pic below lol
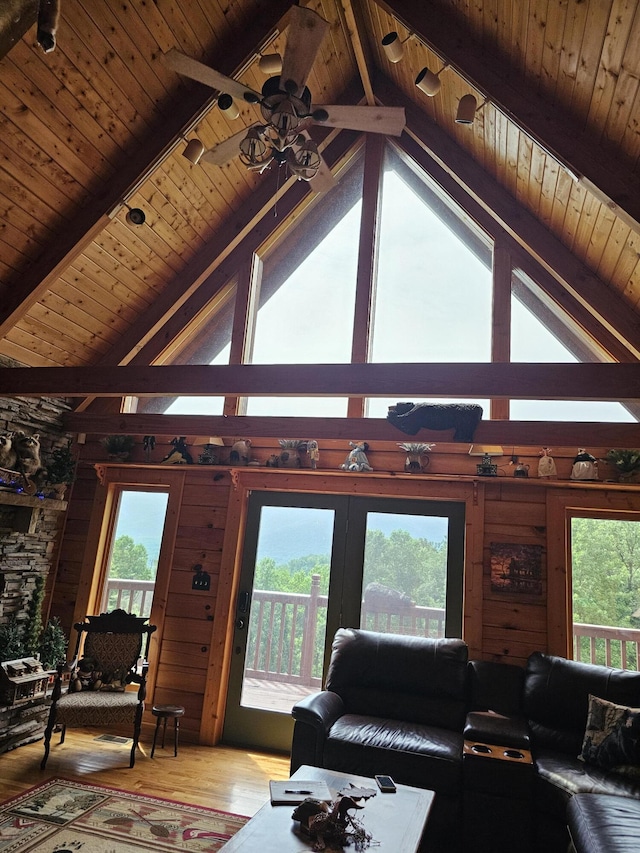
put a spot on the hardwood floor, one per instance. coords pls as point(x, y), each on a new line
point(233, 780)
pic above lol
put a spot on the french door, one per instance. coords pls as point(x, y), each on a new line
point(314, 563)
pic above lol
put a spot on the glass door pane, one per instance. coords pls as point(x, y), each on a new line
point(605, 579)
point(405, 574)
point(286, 634)
point(281, 615)
point(135, 549)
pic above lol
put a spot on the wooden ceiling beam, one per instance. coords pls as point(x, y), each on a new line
point(136, 164)
point(478, 193)
point(595, 381)
point(511, 433)
point(545, 122)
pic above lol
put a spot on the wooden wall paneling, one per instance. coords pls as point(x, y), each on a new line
point(473, 607)
point(221, 639)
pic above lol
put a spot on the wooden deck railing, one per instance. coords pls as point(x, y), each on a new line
point(133, 596)
point(286, 635)
point(619, 647)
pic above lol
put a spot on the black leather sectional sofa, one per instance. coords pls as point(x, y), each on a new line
point(499, 744)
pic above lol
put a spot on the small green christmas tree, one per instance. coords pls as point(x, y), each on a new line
point(61, 466)
point(11, 645)
point(53, 644)
point(33, 627)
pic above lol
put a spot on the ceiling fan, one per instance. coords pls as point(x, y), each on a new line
point(286, 107)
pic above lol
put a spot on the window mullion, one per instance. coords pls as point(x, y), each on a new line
point(501, 320)
point(367, 260)
point(244, 316)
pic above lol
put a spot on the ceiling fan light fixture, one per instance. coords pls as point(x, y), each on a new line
point(467, 106)
point(228, 106)
point(254, 151)
point(304, 162)
point(270, 63)
point(393, 47)
point(194, 151)
point(428, 82)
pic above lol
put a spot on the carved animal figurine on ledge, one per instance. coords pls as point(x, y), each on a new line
point(463, 418)
point(179, 455)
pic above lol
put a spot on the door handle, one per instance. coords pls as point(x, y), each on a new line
point(243, 602)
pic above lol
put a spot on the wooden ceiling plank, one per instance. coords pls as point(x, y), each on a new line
point(615, 44)
point(86, 319)
point(590, 54)
point(576, 21)
point(555, 19)
point(536, 35)
point(24, 355)
point(620, 237)
point(548, 190)
point(91, 221)
point(56, 196)
point(76, 281)
point(55, 329)
point(599, 237)
point(572, 144)
point(27, 100)
point(571, 273)
point(354, 20)
point(516, 381)
point(511, 433)
point(42, 89)
point(91, 23)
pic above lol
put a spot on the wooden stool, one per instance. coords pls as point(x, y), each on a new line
point(163, 713)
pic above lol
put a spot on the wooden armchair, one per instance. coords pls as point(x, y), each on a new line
point(106, 660)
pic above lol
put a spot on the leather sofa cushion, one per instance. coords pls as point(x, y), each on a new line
point(556, 698)
point(414, 679)
point(413, 754)
point(560, 777)
point(496, 686)
point(597, 823)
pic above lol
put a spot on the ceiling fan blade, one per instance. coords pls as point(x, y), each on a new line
point(388, 120)
point(225, 151)
point(189, 67)
point(324, 179)
point(304, 37)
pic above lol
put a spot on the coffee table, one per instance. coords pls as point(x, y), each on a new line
point(395, 821)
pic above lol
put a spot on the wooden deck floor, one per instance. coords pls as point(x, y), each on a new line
point(272, 695)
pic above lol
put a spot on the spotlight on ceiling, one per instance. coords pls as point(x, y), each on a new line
point(270, 63)
point(393, 46)
point(228, 106)
point(467, 109)
point(194, 151)
point(135, 216)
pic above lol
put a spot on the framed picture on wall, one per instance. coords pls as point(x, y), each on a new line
point(516, 568)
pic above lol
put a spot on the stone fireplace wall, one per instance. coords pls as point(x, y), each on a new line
point(30, 534)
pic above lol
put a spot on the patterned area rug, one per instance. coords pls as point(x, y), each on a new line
point(61, 816)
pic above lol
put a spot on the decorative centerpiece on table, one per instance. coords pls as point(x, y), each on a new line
point(331, 826)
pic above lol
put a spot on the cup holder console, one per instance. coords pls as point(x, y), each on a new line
point(481, 748)
point(513, 753)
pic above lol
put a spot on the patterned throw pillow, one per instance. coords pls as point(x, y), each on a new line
point(612, 736)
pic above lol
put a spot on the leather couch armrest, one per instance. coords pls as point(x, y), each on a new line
point(492, 728)
point(319, 710)
point(314, 715)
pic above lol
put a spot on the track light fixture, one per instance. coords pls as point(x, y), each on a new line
point(428, 82)
point(135, 215)
point(194, 151)
point(228, 106)
point(270, 63)
point(467, 109)
point(393, 46)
